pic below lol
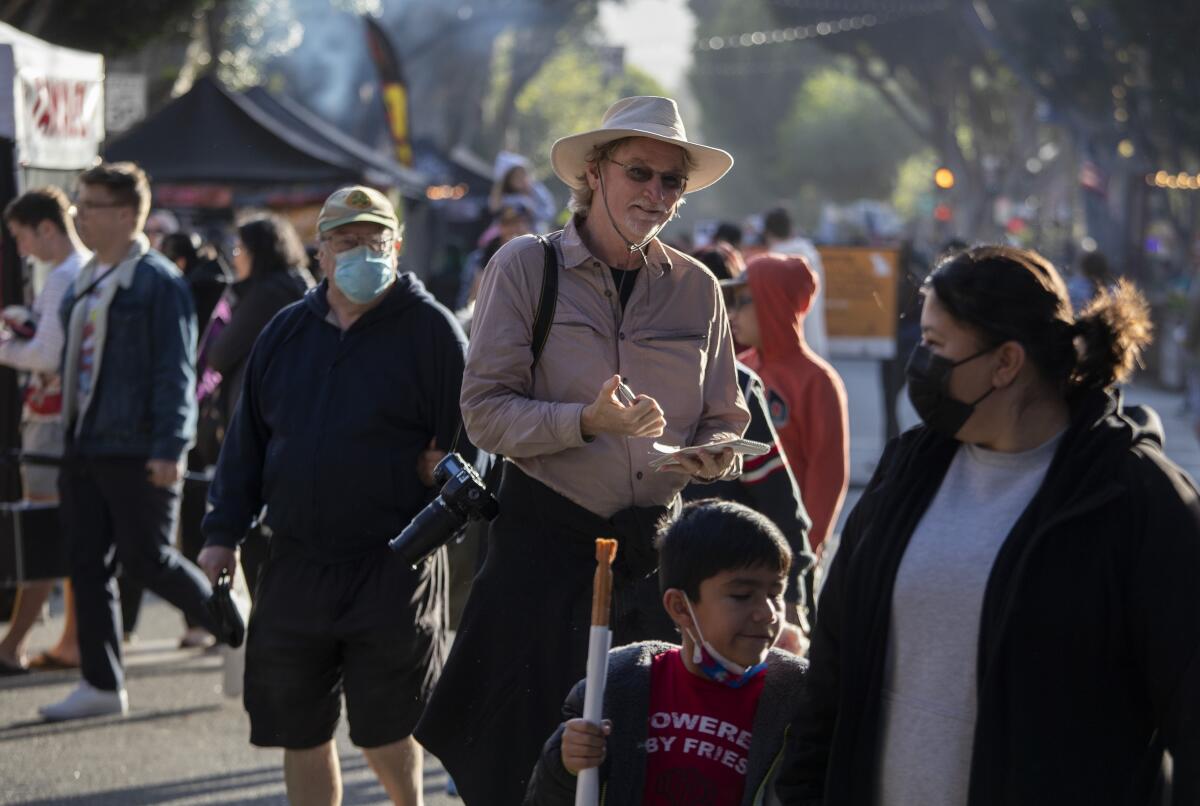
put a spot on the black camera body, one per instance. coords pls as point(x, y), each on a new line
point(463, 497)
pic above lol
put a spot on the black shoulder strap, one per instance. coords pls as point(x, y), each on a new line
point(547, 300)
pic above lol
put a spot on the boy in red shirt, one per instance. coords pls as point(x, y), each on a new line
point(701, 724)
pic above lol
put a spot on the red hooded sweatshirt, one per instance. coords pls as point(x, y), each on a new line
point(806, 397)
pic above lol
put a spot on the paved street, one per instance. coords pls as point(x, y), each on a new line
point(186, 743)
point(183, 743)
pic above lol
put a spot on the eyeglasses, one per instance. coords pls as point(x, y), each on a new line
point(87, 206)
point(671, 181)
point(344, 243)
point(734, 301)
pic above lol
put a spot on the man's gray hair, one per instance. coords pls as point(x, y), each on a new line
point(581, 195)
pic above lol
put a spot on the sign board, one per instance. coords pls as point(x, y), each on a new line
point(57, 112)
point(860, 300)
point(124, 101)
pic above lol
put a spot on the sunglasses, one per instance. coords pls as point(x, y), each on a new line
point(640, 174)
point(734, 300)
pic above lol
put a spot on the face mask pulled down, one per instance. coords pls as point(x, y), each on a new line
point(714, 665)
point(363, 274)
point(928, 376)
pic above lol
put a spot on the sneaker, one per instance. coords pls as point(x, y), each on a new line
point(87, 700)
point(196, 637)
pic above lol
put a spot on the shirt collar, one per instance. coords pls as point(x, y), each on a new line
point(575, 253)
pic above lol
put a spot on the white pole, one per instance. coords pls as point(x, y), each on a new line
point(587, 787)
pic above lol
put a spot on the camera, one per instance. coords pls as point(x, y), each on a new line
point(463, 497)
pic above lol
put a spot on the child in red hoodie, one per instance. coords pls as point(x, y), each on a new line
point(806, 397)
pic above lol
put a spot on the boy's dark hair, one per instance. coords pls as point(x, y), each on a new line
point(729, 233)
point(716, 262)
point(778, 223)
point(35, 206)
point(125, 181)
point(711, 536)
point(184, 245)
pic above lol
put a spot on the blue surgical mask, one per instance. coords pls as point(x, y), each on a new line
point(363, 274)
point(714, 665)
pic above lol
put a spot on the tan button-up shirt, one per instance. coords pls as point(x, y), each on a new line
point(672, 343)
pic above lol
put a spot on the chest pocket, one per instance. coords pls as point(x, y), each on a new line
point(674, 363)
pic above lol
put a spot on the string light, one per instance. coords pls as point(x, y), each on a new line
point(799, 33)
point(445, 192)
point(1179, 181)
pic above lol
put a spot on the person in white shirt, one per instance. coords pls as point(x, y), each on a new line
point(779, 237)
point(40, 223)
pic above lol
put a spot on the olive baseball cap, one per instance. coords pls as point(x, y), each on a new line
point(357, 203)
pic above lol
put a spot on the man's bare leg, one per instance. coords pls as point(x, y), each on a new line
point(399, 767)
point(313, 776)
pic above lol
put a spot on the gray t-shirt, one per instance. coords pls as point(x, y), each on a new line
point(928, 715)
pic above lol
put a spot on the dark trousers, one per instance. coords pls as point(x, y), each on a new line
point(114, 516)
point(523, 640)
point(254, 550)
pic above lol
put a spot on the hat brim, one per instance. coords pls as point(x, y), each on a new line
point(569, 156)
point(373, 218)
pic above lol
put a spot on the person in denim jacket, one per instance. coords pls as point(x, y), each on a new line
point(129, 413)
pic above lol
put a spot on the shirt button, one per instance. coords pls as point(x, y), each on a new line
point(639, 475)
point(607, 293)
point(621, 336)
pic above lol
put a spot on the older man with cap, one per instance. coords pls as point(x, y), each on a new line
point(638, 350)
point(349, 397)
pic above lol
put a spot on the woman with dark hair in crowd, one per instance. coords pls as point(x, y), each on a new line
point(269, 264)
point(1013, 616)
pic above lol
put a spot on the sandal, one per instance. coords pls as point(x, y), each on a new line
point(45, 662)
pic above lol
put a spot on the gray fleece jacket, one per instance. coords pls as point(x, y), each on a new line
point(627, 704)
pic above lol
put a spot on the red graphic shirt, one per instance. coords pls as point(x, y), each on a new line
point(698, 739)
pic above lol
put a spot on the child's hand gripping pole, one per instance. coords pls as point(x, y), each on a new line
point(587, 788)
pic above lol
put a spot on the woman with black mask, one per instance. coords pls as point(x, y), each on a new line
point(1013, 616)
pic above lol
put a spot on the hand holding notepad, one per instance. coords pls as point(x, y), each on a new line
point(669, 454)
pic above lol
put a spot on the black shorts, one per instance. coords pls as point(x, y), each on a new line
point(372, 628)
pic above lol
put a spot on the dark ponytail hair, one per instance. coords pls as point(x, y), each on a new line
point(1112, 330)
point(1010, 294)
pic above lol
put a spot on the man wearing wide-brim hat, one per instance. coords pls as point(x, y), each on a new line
point(628, 309)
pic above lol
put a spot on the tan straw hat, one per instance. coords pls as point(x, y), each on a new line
point(640, 116)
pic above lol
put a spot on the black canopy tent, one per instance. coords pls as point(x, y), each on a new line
point(214, 136)
point(214, 149)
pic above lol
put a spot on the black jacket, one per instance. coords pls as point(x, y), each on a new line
point(253, 302)
point(1089, 642)
point(627, 704)
point(767, 484)
point(330, 423)
point(207, 281)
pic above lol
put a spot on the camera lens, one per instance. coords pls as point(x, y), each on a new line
point(432, 528)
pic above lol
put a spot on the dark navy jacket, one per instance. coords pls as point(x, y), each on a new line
point(330, 424)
